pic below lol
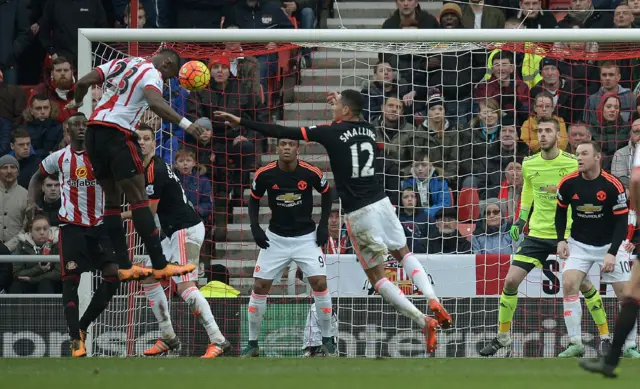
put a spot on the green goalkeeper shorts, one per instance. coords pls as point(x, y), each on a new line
point(534, 252)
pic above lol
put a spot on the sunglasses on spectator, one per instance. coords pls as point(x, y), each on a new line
point(495, 212)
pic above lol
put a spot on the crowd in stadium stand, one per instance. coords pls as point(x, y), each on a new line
point(453, 127)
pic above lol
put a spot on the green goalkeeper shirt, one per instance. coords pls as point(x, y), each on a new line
point(540, 189)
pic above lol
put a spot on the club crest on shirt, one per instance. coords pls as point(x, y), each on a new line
point(71, 265)
point(302, 184)
point(149, 190)
point(267, 19)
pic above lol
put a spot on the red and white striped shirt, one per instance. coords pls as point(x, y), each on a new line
point(123, 102)
point(81, 195)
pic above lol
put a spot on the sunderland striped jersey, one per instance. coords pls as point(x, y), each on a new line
point(81, 196)
point(123, 102)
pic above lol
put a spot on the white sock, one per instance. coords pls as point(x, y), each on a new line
point(256, 310)
point(573, 318)
point(160, 308)
point(201, 308)
point(323, 310)
point(395, 297)
point(418, 275)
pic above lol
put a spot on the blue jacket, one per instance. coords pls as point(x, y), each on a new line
point(45, 135)
point(415, 229)
point(438, 190)
point(198, 191)
point(178, 97)
point(493, 241)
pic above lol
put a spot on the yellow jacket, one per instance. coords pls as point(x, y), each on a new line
point(217, 289)
point(529, 134)
point(530, 65)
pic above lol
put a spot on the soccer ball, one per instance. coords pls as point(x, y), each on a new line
point(194, 76)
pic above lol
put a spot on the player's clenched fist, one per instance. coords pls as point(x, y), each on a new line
point(196, 130)
point(563, 250)
point(259, 236)
point(516, 229)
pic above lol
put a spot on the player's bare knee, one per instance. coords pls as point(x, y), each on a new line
point(513, 279)
point(586, 285)
point(262, 286)
point(318, 283)
point(571, 281)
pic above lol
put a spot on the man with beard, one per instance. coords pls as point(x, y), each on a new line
point(60, 87)
point(541, 172)
point(443, 236)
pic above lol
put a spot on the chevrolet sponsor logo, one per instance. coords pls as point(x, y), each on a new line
point(589, 208)
point(289, 197)
point(551, 189)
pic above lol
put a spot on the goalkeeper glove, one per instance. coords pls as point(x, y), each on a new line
point(259, 236)
point(516, 229)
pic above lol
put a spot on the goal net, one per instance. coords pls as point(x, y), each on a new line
point(455, 118)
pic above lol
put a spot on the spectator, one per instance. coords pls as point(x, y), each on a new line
point(622, 162)
point(427, 182)
point(451, 16)
point(44, 130)
point(305, 12)
point(141, 17)
point(196, 187)
point(623, 17)
point(611, 130)
point(28, 160)
point(543, 109)
point(13, 199)
point(492, 233)
point(504, 86)
point(579, 70)
point(60, 22)
point(478, 167)
point(49, 204)
point(14, 37)
point(338, 242)
point(407, 10)
point(443, 236)
point(583, 13)
point(509, 148)
point(568, 97)
point(475, 15)
point(260, 14)
point(442, 147)
point(12, 103)
point(238, 144)
point(204, 147)
point(384, 84)
point(533, 16)
point(60, 87)
point(37, 239)
point(396, 137)
point(172, 136)
point(414, 220)
point(635, 10)
point(157, 13)
point(511, 191)
point(6, 271)
point(578, 133)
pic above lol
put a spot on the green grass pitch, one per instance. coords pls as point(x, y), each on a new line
point(230, 373)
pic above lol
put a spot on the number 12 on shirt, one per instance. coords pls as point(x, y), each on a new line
point(367, 169)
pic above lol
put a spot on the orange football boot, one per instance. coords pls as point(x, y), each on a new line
point(429, 331)
point(134, 273)
point(162, 346)
point(214, 350)
point(172, 270)
point(444, 319)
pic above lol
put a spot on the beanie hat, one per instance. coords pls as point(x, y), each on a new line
point(451, 8)
point(9, 160)
point(205, 122)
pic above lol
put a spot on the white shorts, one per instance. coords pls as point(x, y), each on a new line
point(183, 247)
point(283, 250)
point(373, 230)
point(583, 256)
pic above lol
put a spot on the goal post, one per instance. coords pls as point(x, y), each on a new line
point(469, 283)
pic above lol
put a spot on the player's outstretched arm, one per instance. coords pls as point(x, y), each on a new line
point(267, 129)
point(159, 106)
point(82, 88)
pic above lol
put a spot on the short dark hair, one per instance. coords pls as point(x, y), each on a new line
point(553, 120)
point(608, 64)
point(175, 57)
point(146, 127)
point(55, 177)
point(594, 144)
point(352, 99)
point(39, 97)
point(579, 123)
point(279, 139)
point(544, 94)
point(502, 55)
point(20, 132)
point(60, 60)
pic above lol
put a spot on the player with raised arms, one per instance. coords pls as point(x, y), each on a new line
point(82, 242)
point(627, 319)
point(131, 86)
point(599, 211)
point(542, 173)
point(292, 236)
point(184, 232)
point(371, 220)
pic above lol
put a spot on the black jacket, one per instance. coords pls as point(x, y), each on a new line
point(598, 19)
point(45, 136)
point(14, 30)
point(424, 19)
point(28, 167)
point(61, 20)
point(266, 14)
point(51, 210)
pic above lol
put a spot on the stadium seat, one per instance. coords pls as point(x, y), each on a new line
point(466, 229)
point(28, 90)
point(468, 205)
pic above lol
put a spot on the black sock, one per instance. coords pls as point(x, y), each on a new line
point(624, 324)
point(100, 300)
point(148, 232)
point(70, 302)
point(113, 226)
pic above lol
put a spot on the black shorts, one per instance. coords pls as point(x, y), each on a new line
point(113, 152)
point(534, 252)
point(84, 248)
